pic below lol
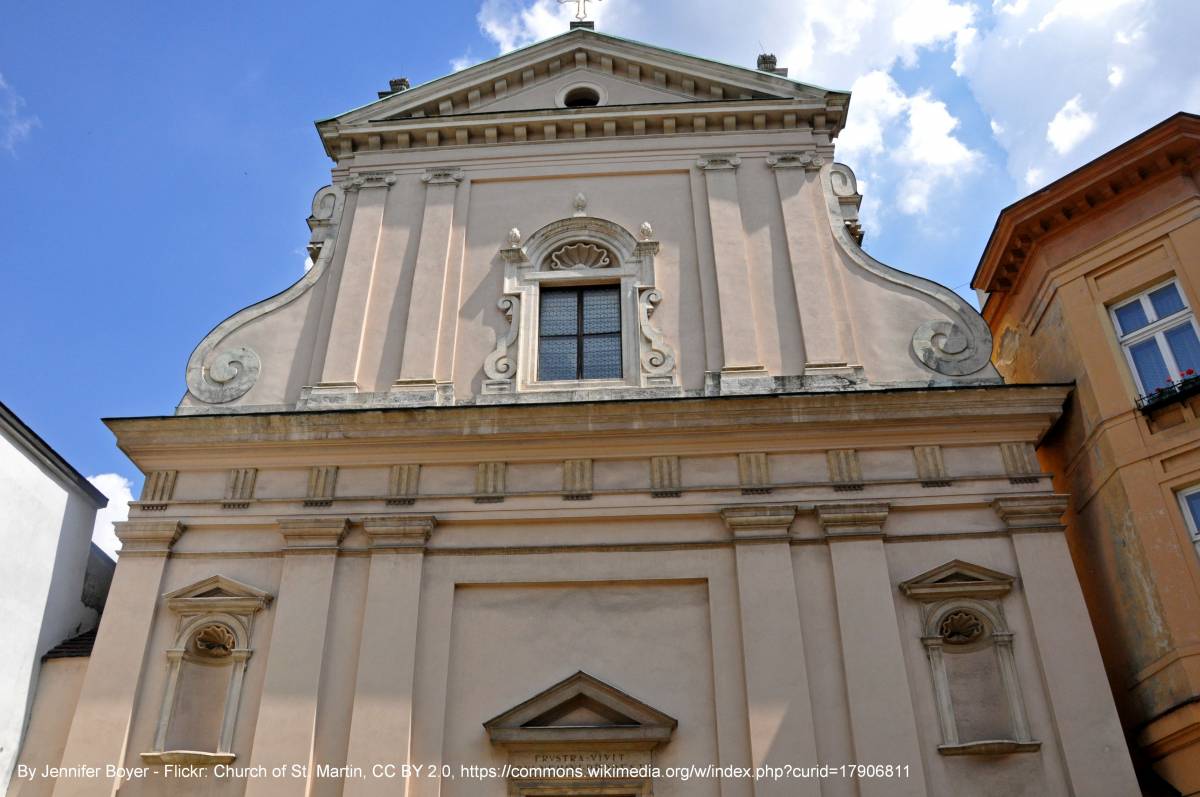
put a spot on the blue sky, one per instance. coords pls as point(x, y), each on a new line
point(157, 161)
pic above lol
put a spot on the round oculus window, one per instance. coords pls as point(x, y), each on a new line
point(581, 97)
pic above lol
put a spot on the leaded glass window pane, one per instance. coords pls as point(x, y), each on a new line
point(602, 356)
point(601, 310)
point(560, 313)
point(579, 333)
point(557, 358)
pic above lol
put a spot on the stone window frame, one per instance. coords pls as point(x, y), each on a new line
point(217, 600)
point(959, 586)
point(1152, 331)
point(647, 361)
point(1191, 519)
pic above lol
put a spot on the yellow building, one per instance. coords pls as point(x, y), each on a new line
point(593, 456)
point(1095, 279)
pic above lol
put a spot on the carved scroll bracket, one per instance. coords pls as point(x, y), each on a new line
point(500, 367)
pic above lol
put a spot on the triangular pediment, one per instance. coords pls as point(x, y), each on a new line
point(217, 593)
point(957, 578)
point(581, 709)
point(635, 73)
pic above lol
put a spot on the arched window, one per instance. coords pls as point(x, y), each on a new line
point(970, 650)
point(579, 295)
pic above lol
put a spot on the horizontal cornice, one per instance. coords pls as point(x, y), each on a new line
point(1170, 148)
point(821, 118)
point(822, 418)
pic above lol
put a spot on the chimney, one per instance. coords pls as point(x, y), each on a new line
point(395, 86)
point(768, 63)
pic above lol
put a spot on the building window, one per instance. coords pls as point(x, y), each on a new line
point(1158, 333)
point(579, 333)
point(1189, 502)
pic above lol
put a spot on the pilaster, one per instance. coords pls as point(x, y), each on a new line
point(739, 340)
point(821, 321)
point(347, 330)
point(418, 363)
point(287, 712)
point(777, 696)
point(882, 720)
point(1093, 744)
point(99, 733)
point(381, 723)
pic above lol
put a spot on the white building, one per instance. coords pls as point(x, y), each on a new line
point(54, 587)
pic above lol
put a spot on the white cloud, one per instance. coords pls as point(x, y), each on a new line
point(902, 142)
point(1070, 125)
point(512, 24)
point(15, 124)
point(1017, 64)
point(118, 490)
point(463, 61)
point(1070, 79)
point(1033, 177)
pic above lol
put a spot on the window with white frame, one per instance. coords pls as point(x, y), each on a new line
point(1189, 502)
point(1157, 330)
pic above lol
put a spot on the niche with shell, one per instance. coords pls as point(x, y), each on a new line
point(970, 651)
point(205, 670)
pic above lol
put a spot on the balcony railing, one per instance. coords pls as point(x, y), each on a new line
point(1172, 393)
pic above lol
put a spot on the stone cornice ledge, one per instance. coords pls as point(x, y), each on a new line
point(312, 533)
point(759, 522)
point(399, 531)
point(846, 521)
point(1032, 512)
point(147, 537)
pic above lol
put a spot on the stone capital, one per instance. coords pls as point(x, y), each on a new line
point(148, 537)
point(398, 531)
point(722, 160)
point(852, 520)
point(445, 175)
point(368, 180)
point(755, 522)
point(312, 533)
point(1031, 512)
point(807, 160)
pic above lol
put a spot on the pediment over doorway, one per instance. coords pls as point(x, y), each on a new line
point(581, 710)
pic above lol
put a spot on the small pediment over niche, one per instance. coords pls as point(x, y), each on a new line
point(217, 594)
point(957, 579)
point(581, 709)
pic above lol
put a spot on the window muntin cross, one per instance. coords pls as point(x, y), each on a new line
point(1158, 332)
point(579, 333)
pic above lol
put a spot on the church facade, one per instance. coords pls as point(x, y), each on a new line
point(593, 456)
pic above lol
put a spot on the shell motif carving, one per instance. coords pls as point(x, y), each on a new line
point(580, 255)
point(960, 628)
point(214, 641)
point(945, 347)
point(227, 376)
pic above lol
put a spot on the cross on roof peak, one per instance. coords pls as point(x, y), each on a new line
point(581, 12)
